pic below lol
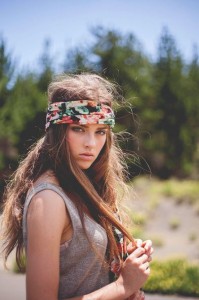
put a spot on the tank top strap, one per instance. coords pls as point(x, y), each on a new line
point(71, 208)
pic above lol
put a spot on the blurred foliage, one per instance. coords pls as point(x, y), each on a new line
point(163, 96)
point(180, 191)
point(174, 276)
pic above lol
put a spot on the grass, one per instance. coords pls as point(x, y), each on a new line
point(174, 223)
point(174, 276)
point(183, 191)
point(138, 222)
point(139, 218)
point(192, 237)
point(138, 233)
point(158, 241)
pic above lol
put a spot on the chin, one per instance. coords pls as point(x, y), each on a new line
point(85, 167)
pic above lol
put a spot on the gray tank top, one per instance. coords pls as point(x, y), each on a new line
point(81, 269)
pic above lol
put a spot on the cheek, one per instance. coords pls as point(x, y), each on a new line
point(102, 143)
point(71, 140)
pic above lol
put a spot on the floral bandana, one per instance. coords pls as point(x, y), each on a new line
point(79, 112)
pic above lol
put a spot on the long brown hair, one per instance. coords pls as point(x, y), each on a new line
point(95, 189)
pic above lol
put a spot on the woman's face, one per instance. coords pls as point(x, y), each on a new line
point(85, 142)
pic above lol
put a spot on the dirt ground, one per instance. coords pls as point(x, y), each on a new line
point(172, 227)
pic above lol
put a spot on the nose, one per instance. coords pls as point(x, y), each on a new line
point(90, 140)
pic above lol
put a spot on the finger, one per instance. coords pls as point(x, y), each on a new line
point(151, 251)
point(137, 253)
point(146, 267)
point(143, 259)
point(149, 258)
point(139, 242)
point(130, 248)
point(147, 245)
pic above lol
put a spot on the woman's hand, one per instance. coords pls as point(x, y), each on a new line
point(147, 245)
point(135, 271)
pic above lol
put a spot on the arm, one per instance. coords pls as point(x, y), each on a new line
point(46, 220)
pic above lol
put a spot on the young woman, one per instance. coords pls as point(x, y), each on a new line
point(62, 203)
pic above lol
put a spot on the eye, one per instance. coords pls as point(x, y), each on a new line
point(101, 131)
point(77, 129)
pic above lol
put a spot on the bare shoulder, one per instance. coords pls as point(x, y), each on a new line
point(47, 200)
point(47, 208)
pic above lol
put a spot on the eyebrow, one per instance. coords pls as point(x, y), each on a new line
point(87, 126)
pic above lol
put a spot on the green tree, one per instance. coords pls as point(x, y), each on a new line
point(167, 138)
point(30, 92)
point(78, 60)
point(190, 131)
point(7, 68)
point(7, 73)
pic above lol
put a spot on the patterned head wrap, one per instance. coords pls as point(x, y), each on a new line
point(79, 112)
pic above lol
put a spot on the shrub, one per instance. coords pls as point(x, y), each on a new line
point(157, 241)
point(174, 276)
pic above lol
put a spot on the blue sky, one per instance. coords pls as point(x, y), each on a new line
point(25, 25)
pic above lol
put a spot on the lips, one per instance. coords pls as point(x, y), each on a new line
point(86, 156)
